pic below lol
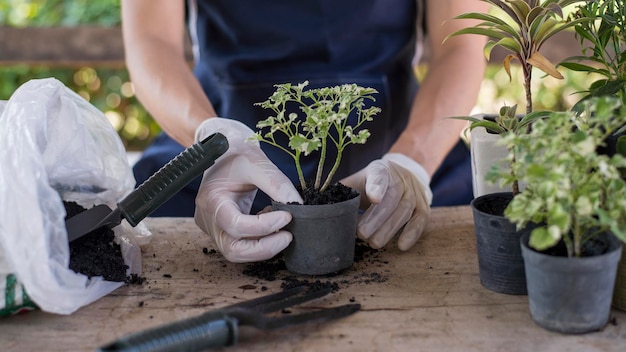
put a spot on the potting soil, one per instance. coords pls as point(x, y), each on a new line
point(334, 193)
point(97, 253)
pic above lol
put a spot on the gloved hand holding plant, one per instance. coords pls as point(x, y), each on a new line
point(228, 189)
point(395, 189)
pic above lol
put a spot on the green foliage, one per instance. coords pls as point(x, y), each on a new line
point(572, 191)
point(326, 110)
point(59, 12)
point(603, 42)
point(506, 122)
point(108, 89)
point(522, 28)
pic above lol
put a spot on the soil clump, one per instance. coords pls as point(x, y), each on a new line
point(97, 253)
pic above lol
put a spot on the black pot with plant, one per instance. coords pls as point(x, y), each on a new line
point(603, 54)
point(521, 27)
point(576, 195)
point(500, 263)
point(315, 120)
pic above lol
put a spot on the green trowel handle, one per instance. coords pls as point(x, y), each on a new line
point(171, 178)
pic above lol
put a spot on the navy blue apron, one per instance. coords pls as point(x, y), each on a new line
point(243, 50)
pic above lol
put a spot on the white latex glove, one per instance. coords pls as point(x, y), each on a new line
point(228, 189)
point(397, 194)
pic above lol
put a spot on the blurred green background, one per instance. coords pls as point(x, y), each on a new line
point(110, 90)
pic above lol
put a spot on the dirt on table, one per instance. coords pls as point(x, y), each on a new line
point(275, 269)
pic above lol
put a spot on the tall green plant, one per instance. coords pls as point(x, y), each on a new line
point(522, 30)
point(603, 42)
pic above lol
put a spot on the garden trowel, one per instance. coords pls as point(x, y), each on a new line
point(155, 191)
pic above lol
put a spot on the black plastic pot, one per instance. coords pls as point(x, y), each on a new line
point(619, 293)
point(500, 262)
point(571, 295)
point(324, 237)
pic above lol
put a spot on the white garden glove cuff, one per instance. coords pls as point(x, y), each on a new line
point(395, 190)
point(228, 189)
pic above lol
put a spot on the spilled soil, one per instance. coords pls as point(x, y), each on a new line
point(97, 253)
point(275, 269)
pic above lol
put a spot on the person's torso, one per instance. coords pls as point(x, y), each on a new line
point(243, 48)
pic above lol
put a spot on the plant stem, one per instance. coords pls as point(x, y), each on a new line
point(528, 73)
point(577, 239)
point(299, 170)
point(515, 185)
point(320, 166)
point(332, 171)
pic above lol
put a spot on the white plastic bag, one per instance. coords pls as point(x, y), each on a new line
point(55, 147)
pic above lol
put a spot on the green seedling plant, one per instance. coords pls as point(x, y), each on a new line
point(323, 120)
point(572, 191)
point(522, 28)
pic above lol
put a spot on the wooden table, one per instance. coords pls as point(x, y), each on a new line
point(426, 299)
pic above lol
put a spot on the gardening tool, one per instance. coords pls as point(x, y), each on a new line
point(219, 328)
point(155, 191)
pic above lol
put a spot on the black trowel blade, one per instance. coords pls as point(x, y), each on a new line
point(91, 220)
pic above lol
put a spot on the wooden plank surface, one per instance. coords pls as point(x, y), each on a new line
point(426, 299)
point(86, 45)
point(102, 46)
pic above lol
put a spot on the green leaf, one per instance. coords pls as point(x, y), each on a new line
point(483, 17)
point(510, 44)
point(361, 137)
point(533, 15)
point(541, 238)
point(551, 31)
point(489, 125)
point(521, 10)
point(532, 117)
point(546, 27)
point(536, 171)
point(609, 88)
point(302, 144)
point(575, 66)
point(488, 48)
point(558, 217)
point(479, 31)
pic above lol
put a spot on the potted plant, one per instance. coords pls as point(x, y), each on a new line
point(314, 121)
point(522, 28)
point(575, 196)
point(500, 263)
point(603, 42)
